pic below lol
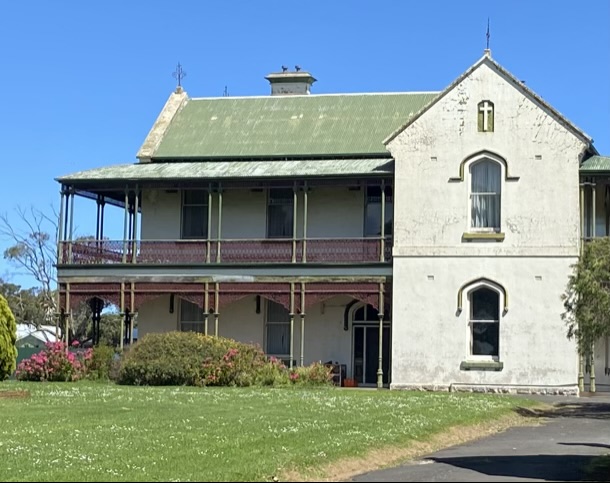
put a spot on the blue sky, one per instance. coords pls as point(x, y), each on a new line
point(84, 81)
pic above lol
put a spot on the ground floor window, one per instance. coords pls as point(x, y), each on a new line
point(485, 322)
point(277, 329)
point(191, 317)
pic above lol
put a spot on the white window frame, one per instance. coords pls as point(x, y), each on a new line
point(468, 168)
point(471, 291)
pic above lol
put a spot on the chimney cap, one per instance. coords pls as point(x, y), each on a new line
point(297, 82)
point(287, 76)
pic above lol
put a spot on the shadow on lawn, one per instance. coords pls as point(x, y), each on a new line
point(584, 410)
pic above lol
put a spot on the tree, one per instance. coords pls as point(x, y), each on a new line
point(8, 338)
point(587, 298)
point(35, 251)
point(25, 304)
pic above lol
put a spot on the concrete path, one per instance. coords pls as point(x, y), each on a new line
point(558, 450)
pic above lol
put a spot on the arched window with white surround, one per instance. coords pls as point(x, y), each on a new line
point(485, 195)
point(485, 321)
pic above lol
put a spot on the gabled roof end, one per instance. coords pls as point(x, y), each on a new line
point(175, 102)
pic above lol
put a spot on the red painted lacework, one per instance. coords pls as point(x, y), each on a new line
point(367, 292)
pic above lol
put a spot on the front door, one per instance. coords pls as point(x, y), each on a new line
point(366, 353)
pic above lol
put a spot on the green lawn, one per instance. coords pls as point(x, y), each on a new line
point(103, 432)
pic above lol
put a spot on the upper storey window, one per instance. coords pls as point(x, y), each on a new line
point(194, 214)
point(280, 213)
point(485, 195)
point(372, 211)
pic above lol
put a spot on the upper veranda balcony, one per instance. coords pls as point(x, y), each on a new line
point(269, 223)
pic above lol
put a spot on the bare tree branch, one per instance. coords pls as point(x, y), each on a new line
point(34, 250)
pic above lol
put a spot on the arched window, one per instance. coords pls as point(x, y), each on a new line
point(485, 322)
point(485, 195)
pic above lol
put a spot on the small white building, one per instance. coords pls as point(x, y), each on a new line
point(31, 336)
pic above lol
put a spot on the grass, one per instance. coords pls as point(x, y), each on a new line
point(104, 432)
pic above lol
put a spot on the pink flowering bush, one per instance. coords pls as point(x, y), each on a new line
point(53, 363)
point(316, 374)
point(273, 373)
point(239, 366)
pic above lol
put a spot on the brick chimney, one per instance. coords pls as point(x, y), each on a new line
point(287, 83)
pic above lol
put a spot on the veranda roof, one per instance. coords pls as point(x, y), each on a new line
point(596, 164)
point(212, 170)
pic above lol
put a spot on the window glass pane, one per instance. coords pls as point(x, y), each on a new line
point(280, 221)
point(485, 183)
point(372, 211)
point(278, 329)
point(485, 304)
point(372, 313)
point(485, 338)
point(372, 224)
point(278, 339)
point(194, 221)
point(359, 314)
point(277, 312)
point(373, 194)
point(389, 217)
point(195, 197)
point(485, 177)
point(190, 312)
point(280, 196)
point(280, 211)
point(485, 211)
point(191, 317)
point(194, 214)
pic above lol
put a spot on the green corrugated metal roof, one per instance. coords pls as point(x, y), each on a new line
point(596, 163)
point(311, 125)
point(233, 169)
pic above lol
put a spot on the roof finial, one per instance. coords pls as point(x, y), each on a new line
point(179, 74)
point(487, 51)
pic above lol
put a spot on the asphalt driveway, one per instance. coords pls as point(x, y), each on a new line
point(557, 450)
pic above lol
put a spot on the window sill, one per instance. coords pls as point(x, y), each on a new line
point(481, 366)
point(483, 236)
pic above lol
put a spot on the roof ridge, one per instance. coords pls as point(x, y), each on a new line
point(308, 96)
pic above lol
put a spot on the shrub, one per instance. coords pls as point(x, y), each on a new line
point(102, 362)
point(53, 363)
point(187, 358)
point(8, 338)
point(273, 373)
point(172, 358)
point(316, 374)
